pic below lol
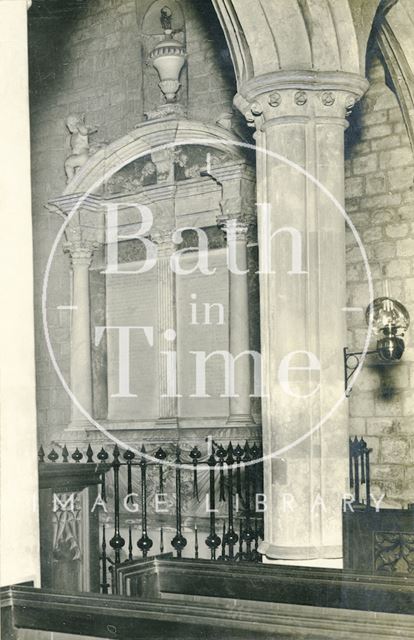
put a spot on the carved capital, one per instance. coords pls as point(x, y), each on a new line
point(84, 215)
point(281, 96)
point(81, 252)
point(163, 239)
point(234, 229)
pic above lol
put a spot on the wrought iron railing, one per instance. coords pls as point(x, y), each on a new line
point(226, 479)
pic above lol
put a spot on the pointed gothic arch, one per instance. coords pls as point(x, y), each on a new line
point(301, 35)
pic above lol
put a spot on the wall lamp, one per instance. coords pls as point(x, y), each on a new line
point(390, 320)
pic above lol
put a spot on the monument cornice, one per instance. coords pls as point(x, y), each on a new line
point(84, 219)
point(231, 171)
point(66, 204)
point(159, 192)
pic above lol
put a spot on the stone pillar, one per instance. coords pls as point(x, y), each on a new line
point(19, 517)
point(301, 117)
point(81, 253)
point(167, 331)
point(236, 234)
point(84, 233)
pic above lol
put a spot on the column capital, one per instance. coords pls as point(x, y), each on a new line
point(80, 251)
point(163, 239)
point(86, 223)
point(282, 97)
point(233, 228)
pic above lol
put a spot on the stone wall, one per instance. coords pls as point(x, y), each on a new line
point(86, 57)
point(380, 202)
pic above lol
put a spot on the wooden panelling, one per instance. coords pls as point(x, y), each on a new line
point(190, 618)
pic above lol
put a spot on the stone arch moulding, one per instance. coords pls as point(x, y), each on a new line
point(289, 35)
point(395, 42)
point(144, 139)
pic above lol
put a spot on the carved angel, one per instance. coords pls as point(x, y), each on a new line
point(79, 144)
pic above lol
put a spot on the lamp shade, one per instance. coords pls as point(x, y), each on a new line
point(390, 320)
point(388, 315)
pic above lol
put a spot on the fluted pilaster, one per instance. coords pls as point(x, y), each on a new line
point(236, 235)
point(81, 253)
point(167, 330)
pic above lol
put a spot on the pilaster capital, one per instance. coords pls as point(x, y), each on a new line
point(80, 251)
point(233, 228)
point(163, 239)
point(84, 216)
point(299, 96)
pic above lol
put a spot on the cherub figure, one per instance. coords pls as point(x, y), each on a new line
point(79, 144)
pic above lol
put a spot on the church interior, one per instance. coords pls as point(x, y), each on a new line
point(207, 379)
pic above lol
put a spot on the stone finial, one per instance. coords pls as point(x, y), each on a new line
point(166, 18)
point(168, 58)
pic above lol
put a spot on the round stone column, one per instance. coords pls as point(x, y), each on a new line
point(236, 236)
point(81, 362)
point(301, 118)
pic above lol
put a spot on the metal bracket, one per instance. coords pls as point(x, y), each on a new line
point(350, 368)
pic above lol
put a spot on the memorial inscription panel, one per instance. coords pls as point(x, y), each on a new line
point(132, 301)
point(202, 301)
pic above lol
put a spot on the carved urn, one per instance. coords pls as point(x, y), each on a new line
point(168, 58)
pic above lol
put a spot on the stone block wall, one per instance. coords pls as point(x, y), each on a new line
point(380, 203)
point(211, 78)
point(86, 57)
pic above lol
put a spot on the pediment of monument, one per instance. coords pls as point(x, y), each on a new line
point(165, 167)
point(158, 153)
